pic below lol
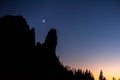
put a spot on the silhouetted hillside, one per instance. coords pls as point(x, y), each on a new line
point(23, 59)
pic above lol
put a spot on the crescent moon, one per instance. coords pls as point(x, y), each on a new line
point(43, 21)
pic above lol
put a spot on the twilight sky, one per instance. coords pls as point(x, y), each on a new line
point(88, 30)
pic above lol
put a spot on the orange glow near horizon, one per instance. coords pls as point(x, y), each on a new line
point(110, 69)
point(108, 72)
point(109, 64)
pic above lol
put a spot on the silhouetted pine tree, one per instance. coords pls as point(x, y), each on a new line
point(101, 77)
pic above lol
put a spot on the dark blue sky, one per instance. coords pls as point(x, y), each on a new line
point(88, 30)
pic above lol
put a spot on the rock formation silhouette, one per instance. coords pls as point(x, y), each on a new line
point(17, 42)
point(22, 58)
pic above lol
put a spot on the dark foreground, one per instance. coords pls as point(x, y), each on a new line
point(21, 58)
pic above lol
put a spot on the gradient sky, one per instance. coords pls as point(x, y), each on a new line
point(88, 30)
